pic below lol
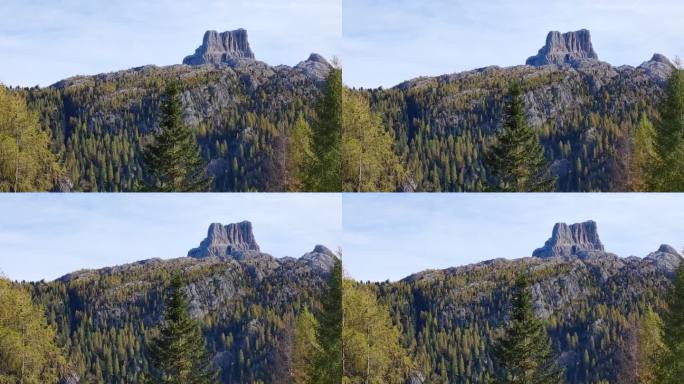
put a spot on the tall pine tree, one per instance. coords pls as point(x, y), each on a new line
point(325, 174)
point(172, 161)
point(28, 351)
point(328, 362)
point(668, 172)
point(516, 161)
point(26, 162)
point(369, 163)
point(523, 355)
point(643, 156)
point(179, 353)
point(372, 349)
point(300, 156)
point(650, 348)
point(671, 368)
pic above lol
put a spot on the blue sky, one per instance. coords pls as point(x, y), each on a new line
point(43, 41)
point(44, 236)
point(388, 41)
point(390, 236)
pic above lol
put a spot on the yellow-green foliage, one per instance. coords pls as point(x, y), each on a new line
point(369, 163)
point(26, 163)
point(372, 352)
point(28, 353)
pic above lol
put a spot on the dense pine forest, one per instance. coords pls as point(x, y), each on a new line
point(590, 302)
point(248, 305)
point(586, 118)
point(100, 124)
point(240, 111)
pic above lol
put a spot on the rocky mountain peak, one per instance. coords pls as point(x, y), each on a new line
point(666, 259)
point(659, 67)
point(566, 48)
point(321, 258)
point(224, 240)
point(569, 240)
point(315, 66)
point(225, 47)
point(664, 248)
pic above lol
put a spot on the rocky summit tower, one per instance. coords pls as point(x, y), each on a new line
point(566, 48)
point(218, 48)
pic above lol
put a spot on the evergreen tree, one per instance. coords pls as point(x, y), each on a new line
point(178, 352)
point(643, 156)
point(671, 368)
point(300, 156)
point(306, 348)
point(328, 362)
point(28, 353)
point(325, 172)
point(650, 348)
point(372, 352)
point(172, 161)
point(516, 161)
point(523, 354)
point(369, 163)
point(26, 162)
point(668, 171)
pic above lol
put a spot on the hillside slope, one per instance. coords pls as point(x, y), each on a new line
point(241, 109)
point(243, 298)
point(584, 110)
point(590, 301)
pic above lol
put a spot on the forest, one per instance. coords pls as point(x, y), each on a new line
point(453, 133)
point(193, 320)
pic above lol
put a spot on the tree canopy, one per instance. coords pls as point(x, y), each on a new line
point(179, 351)
point(172, 161)
point(28, 352)
point(26, 161)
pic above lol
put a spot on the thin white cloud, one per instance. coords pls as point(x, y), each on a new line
point(44, 41)
point(46, 236)
point(390, 236)
point(386, 42)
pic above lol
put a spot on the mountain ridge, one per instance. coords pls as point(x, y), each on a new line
point(232, 242)
point(245, 303)
point(585, 115)
point(241, 112)
point(450, 318)
point(568, 242)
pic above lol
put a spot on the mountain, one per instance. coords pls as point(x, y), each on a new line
point(243, 298)
point(585, 111)
point(241, 109)
point(579, 239)
point(589, 299)
point(567, 48)
point(218, 48)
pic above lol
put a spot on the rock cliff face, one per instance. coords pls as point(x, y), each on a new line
point(240, 294)
point(566, 48)
point(315, 66)
point(242, 110)
point(221, 48)
point(569, 240)
point(585, 115)
point(586, 293)
point(223, 241)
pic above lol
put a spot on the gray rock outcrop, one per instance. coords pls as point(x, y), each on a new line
point(70, 378)
point(580, 239)
point(315, 66)
point(221, 48)
point(659, 67)
point(320, 259)
point(665, 260)
point(226, 240)
point(567, 48)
